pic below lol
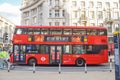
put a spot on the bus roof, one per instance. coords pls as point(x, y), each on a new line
point(72, 27)
point(116, 32)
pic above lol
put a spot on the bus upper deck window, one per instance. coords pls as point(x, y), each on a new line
point(30, 31)
point(77, 31)
point(44, 31)
point(67, 31)
point(19, 31)
point(102, 32)
point(83, 31)
point(88, 32)
point(91, 32)
point(55, 31)
point(37, 31)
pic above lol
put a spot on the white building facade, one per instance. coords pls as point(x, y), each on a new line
point(6, 32)
point(72, 13)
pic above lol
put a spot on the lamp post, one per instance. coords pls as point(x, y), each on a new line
point(117, 50)
point(117, 53)
point(119, 41)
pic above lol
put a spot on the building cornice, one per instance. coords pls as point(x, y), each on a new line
point(31, 5)
point(7, 20)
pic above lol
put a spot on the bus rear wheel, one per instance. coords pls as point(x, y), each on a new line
point(31, 61)
point(80, 62)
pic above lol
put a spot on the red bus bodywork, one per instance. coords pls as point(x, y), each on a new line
point(66, 59)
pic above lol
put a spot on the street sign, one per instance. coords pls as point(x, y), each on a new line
point(117, 54)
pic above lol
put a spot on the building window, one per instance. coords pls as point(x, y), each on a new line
point(34, 11)
point(63, 23)
point(117, 27)
point(91, 4)
point(50, 2)
point(50, 13)
point(74, 24)
point(56, 2)
point(27, 22)
point(115, 4)
point(92, 15)
point(108, 15)
point(92, 24)
point(83, 15)
point(57, 13)
point(82, 4)
point(100, 24)
point(26, 14)
point(63, 13)
point(40, 16)
point(40, 7)
point(99, 4)
point(74, 3)
point(50, 23)
point(57, 23)
point(116, 15)
point(107, 4)
point(64, 0)
point(83, 23)
point(109, 28)
point(34, 19)
point(100, 15)
point(74, 14)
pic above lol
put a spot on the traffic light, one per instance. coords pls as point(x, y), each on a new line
point(6, 36)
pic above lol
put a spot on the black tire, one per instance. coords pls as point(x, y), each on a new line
point(31, 61)
point(80, 62)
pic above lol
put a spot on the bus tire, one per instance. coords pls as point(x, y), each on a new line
point(80, 62)
point(31, 61)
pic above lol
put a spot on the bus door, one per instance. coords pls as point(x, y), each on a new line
point(55, 54)
point(19, 53)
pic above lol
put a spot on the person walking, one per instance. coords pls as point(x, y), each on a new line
point(4, 56)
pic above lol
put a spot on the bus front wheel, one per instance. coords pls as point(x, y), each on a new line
point(80, 62)
point(31, 61)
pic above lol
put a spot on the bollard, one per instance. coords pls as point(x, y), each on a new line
point(59, 68)
point(33, 67)
point(110, 65)
point(85, 68)
point(8, 68)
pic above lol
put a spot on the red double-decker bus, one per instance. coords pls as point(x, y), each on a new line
point(68, 45)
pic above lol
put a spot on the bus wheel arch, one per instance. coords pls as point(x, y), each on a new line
point(31, 61)
point(80, 62)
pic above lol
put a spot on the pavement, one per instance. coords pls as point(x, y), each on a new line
point(29, 75)
point(49, 75)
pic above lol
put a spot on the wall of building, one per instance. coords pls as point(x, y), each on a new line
point(6, 26)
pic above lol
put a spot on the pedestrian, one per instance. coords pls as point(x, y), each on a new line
point(4, 56)
point(109, 53)
point(1, 65)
